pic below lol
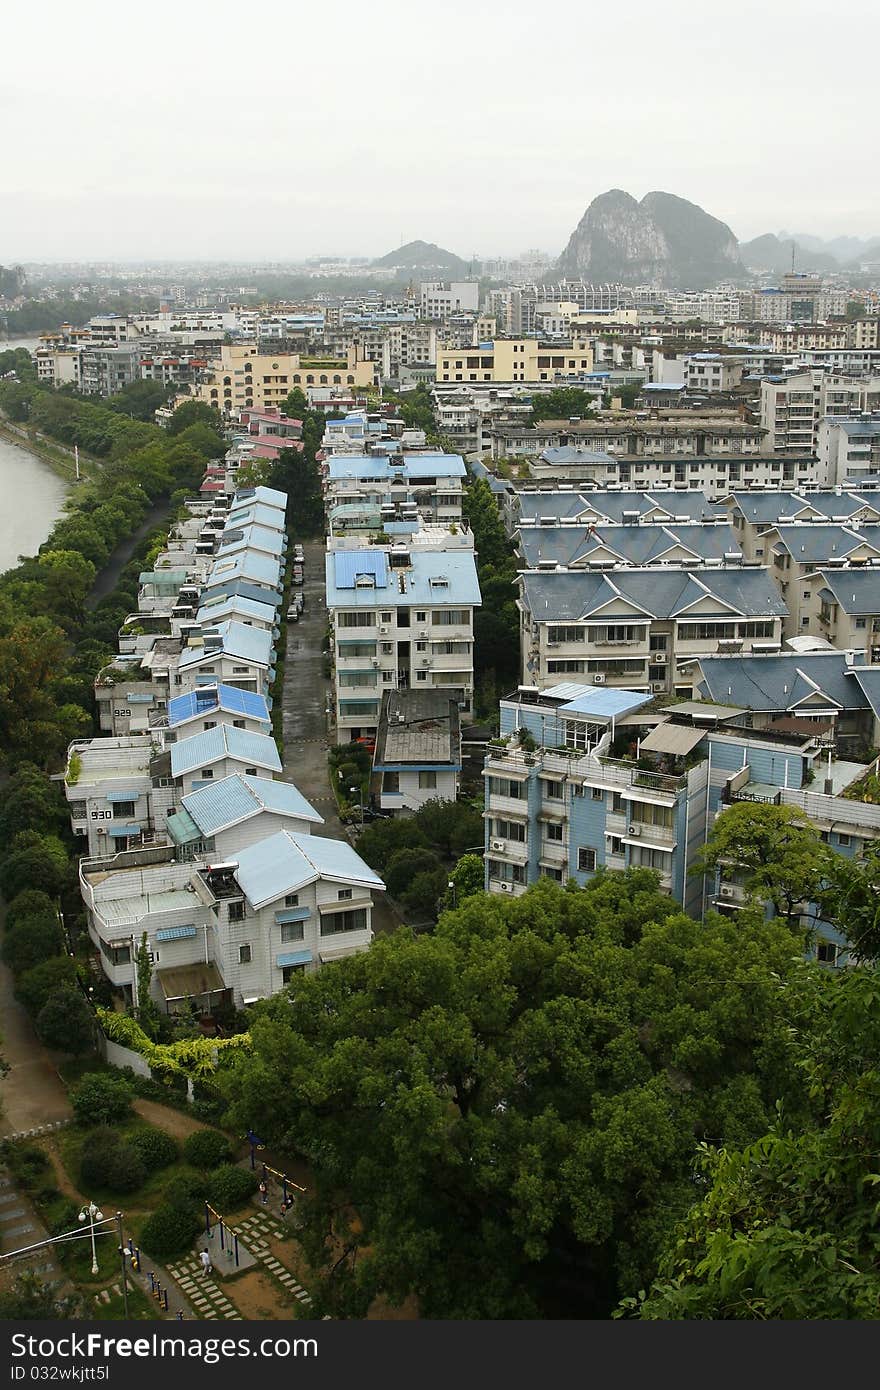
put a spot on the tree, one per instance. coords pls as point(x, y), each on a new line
point(449, 826)
point(403, 866)
point(501, 1116)
point(65, 1021)
point(35, 861)
point(192, 413)
point(562, 403)
point(467, 879)
point(296, 405)
point(147, 1009)
point(31, 802)
point(101, 1099)
point(852, 900)
point(35, 986)
point(778, 850)
point(786, 1227)
point(31, 941)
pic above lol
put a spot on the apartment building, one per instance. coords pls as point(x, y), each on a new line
point(848, 449)
point(797, 554)
point(754, 514)
point(665, 438)
point(512, 360)
point(105, 370)
point(401, 617)
point(711, 373)
point(692, 544)
point(565, 506)
point(633, 627)
point(438, 299)
point(223, 817)
point(114, 802)
point(231, 932)
point(845, 607)
point(583, 779)
point(792, 408)
point(397, 486)
point(417, 757)
point(243, 378)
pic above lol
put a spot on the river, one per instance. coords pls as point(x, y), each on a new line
point(32, 499)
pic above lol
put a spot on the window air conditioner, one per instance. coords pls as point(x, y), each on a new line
point(657, 685)
point(384, 630)
point(634, 830)
point(658, 658)
point(726, 890)
point(505, 887)
point(598, 679)
point(497, 844)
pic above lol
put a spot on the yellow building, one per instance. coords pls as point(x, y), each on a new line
point(243, 377)
point(516, 359)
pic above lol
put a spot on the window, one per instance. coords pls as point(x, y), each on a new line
point(123, 810)
point(451, 617)
point(427, 780)
point(553, 831)
point(386, 617)
point(288, 972)
point(292, 900)
point(335, 922)
point(244, 954)
point(553, 791)
point(343, 894)
point(236, 912)
point(586, 860)
point(77, 810)
point(598, 794)
point(291, 931)
point(421, 617)
point(844, 841)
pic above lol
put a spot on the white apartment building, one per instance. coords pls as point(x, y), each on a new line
point(793, 407)
point(402, 618)
point(396, 487)
point(439, 299)
point(849, 449)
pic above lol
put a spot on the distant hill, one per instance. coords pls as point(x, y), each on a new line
point(423, 260)
point(663, 239)
point(770, 253)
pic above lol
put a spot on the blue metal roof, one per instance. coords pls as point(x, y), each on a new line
point(222, 606)
point(262, 538)
point(348, 565)
point(598, 704)
point(285, 862)
point(256, 514)
point(228, 698)
point(269, 496)
point(117, 832)
point(414, 466)
point(255, 565)
point(223, 742)
point(434, 577)
point(238, 797)
point(244, 588)
point(249, 644)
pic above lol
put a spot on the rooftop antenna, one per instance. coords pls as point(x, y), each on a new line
point(792, 255)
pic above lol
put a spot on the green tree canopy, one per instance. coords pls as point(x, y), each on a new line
point(562, 403)
point(778, 850)
point(787, 1227)
point(511, 1105)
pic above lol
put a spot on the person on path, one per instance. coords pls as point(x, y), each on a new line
point(264, 1194)
point(205, 1257)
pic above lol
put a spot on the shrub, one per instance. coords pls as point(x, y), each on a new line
point(230, 1187)
point(186, 1190)
point(66, 1022)
point(207, 1148)
point(155, 1148)
point(108, 1161)
point(404, 865)
point(35, 985)
point(27, 1162)
point(101, 1099)
point(170, 1231)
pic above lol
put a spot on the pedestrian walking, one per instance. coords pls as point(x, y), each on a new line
point(205, 1257)
point(264, 1194)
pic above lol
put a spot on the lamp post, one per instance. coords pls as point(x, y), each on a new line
point(451, 886)
point(93, 1214)
point(360, 792)
point(123, 1252)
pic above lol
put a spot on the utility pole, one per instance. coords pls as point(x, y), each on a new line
point(122, 1262)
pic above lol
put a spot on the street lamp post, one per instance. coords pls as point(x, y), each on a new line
point(451, 886)
point(93, 1214)
point(122, 1256)
point(360, 792)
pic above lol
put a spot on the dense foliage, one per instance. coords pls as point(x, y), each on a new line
point(101, 1099)
point(502, 1116)
point(787, 1227)
point(413, 854)
point(206, 1148)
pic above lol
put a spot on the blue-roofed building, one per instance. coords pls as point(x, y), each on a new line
point(402, 618)
point(401, 485)
point(230, 653)
point(227, 815)
point(209, 705)
point(578, 782)
point(217, 753)
point(221, 608)
point(253, 566)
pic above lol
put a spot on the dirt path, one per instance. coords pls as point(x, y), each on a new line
point(32, 1093)
point(174, 1122)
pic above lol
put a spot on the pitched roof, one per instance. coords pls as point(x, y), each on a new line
point(783, 681)
point(249, 644)
point(572, 595)
point(229, 699)
point(238, 798)
point(225, 741)
point(285, 862)
point(433, 577)
point(856, 590)
point(637, 545)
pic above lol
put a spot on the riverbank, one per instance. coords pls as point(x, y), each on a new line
point(60, 459)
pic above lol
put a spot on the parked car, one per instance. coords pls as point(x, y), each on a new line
point(293, 614)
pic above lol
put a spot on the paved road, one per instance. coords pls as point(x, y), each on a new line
point(32, 1093)
point(307, 694)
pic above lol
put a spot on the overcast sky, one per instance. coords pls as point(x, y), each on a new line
point(279, 130)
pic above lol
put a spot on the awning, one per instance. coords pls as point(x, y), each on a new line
point(187, 981)
point(293, 958)
point(182, 828)
point(175, 933)
point(293, 914)
point(131, 795)
point(646, 844)
point(122, 832)
point(677, 739)
point(325, 956)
